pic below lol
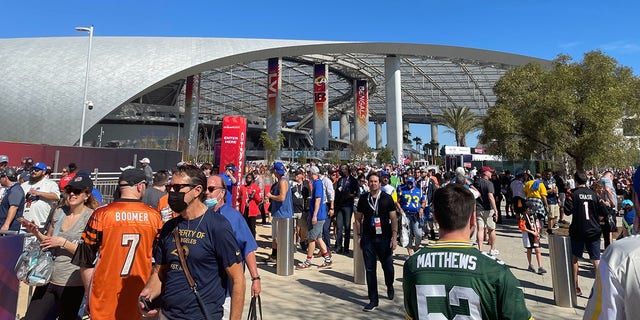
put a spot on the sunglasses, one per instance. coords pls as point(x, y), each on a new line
point(213, 188)
point(178, 186)
point(35, 170)
point(72, 190)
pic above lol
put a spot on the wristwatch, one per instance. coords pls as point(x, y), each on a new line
point(255, 278)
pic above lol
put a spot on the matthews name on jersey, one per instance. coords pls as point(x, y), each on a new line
point(447, 279)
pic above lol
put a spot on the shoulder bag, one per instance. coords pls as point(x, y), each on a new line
point(185, 268)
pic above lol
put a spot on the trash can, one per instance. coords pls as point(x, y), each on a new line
point(284, 235)
point(359, 276)
point(564, 286)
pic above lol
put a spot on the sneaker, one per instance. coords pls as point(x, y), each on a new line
point(531, 269)
point(304, 265)
point(325, 264)
point(578, 292)
point(541, 270)
point(370, 307)
point(555, 226)
point(272, 259)
point(494, 252)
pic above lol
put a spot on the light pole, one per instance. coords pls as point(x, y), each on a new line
point(86, 80)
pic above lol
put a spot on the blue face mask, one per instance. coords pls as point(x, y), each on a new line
point(210, 203)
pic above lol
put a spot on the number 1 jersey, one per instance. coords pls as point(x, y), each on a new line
point(448, 279)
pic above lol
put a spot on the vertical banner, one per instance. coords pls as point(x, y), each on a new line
point(9, 284)
point(192, 113)
point(232, 148)
point(274, 99)
point(321, 106)
point(361, 124)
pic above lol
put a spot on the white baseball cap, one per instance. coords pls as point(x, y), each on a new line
point(145, 160)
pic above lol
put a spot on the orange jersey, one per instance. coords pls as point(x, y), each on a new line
point(122, 234)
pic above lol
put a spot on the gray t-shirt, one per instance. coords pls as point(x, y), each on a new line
point(64, 272)
point(151, 197)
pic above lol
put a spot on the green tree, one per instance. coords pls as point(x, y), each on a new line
point(332, 157)
point(461, 121)
point(271, 146)
point(385, 155)
point(572, 109)
point(360, 151)
point(418, 142)
point(302, 158)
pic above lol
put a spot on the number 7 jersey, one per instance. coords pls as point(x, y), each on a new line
point(118, 240)
point(453, 280)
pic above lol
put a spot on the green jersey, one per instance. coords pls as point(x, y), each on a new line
point(453, 279)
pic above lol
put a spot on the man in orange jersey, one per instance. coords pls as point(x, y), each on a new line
point(116, 249)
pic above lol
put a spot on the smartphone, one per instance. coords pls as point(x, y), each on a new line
point(146, 303)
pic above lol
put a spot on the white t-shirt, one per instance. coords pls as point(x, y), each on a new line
point(37, 208)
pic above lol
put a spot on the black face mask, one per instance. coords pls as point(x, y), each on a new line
point(176, 201)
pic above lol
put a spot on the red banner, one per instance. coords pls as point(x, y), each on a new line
point(320, 89)
point(362, 102)
point(273, 71)
point(233, 147)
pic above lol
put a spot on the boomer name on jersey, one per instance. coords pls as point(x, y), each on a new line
point(132, 216)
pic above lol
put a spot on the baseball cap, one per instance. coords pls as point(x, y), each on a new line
point(314, 170)
point(279, 168)
point(131, 177)
point(145, 160)
point(232, 167)
point(39, 165)
point(485, 169)
point(9, 173)
point(410, 180)
point(4, 158)
point(627, 202)
point(81, 182)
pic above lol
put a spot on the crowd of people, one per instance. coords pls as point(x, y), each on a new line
point(137, 235)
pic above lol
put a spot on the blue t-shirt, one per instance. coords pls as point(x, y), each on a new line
point(229, 184)
point(282, 209)
point(317, 191)
point(629, 216)
point(210, 247)
point(13, 197)
point(246, 241)
point(410, 199)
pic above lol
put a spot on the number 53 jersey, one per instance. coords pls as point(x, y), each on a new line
point(118, 240)
point(454, 279)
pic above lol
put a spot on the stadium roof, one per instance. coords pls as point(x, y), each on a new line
point(138, 79)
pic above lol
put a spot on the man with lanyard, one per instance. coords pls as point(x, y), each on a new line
point(428, 187)
point(376, 223)
point(411, 202)
point(281, 205)
point(347, 189)
point(300, 192)
point(212, 256)
point(330, 196)
point(442, 277)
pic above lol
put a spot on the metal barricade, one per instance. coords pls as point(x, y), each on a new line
point(284, 235)
point(359, 275)
point(564, 285)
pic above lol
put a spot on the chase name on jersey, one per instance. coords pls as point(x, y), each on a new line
point(132, 216)
point(585, 196)
point(452, 260)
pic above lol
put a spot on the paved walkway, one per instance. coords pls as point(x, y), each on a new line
point(332, 294)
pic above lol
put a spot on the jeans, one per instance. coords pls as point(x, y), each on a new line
point(415, 232)
point(374, 249)
point(343, 224)
point(52, 300)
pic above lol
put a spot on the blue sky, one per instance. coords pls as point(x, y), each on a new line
point(540, 29)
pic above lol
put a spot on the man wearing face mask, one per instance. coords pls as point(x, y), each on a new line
point(209, 244)
point(124, 233)
point(246, 242)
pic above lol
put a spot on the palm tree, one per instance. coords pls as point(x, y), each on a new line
point(461, 121)
point(418, 142)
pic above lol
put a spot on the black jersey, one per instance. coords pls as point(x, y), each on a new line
point(587, 210)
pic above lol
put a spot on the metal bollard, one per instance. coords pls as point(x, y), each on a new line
point(359, 275)
point(284, 236)
point(564, 285)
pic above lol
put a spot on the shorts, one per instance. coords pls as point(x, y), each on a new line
point(561, 198)
point(297, 215)
point(593, 248)
point(554, 211)
point(315, 231)
point(302, 219)
point(519, 206)
point(485, 219)
point(530, 241)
